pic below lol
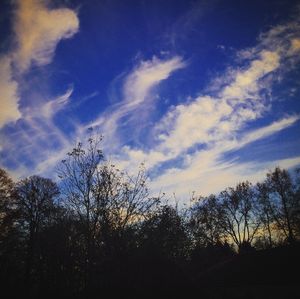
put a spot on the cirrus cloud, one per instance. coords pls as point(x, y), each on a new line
point(9, 97)
point(37, 31)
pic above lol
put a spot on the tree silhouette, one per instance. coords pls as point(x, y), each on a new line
point(283, 202)
point(205, 222)
point(237, 212)
point(100, 228)
point(11, 256)
point(106, 201)
point(165, 233)
point(266, 213)
point(35, 201)
point(6, 204)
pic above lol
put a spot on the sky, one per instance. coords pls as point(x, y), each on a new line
point(205, 93)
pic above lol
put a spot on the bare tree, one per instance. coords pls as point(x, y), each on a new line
point(238, 215)
point(79, 175)
point(36, 204)
point(265, 213)
point(283, 201)
point(205, 222)
point(105, 199)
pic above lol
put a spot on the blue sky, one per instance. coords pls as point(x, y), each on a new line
point(205, 93)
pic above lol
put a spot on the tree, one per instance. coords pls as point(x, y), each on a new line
point(265, 213)
point(36, 206)
point(10, 251)
point(79, 173)
point(283, 202)
point(296, 213)
point(238, 214)
point(165, 234)
point(127, 203)
point(6, 203)
point(205, 222)
point(106, 200)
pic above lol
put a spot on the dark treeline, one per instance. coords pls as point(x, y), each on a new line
point(98, 228)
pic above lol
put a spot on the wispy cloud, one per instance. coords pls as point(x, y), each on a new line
point(207, 171)
point(9, 93)
point(47, 110)
point(51, 144)
point(197, 134)
point(137, 95)
point(204, 178)
point(37, 31)
point(146, 76)
point(268, 130)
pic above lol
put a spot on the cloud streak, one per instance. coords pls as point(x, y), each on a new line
point(196, 135)
point(37, 31)
point(137, 95)
point(9, 93)
point(26, 143)
point(47, 110)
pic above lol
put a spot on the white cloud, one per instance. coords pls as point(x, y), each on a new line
point(207, 120)
point(37, 33)
point(203, 180)
point(47, 110)
point(193, 123)
point(9, 110)
point(246, 82)
point(212, 119)
point(269, 130)
point(146, 76)
point(206, 171)
point(36, 143)
point(38, 30)
point(210, 125)
point(137, 95)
